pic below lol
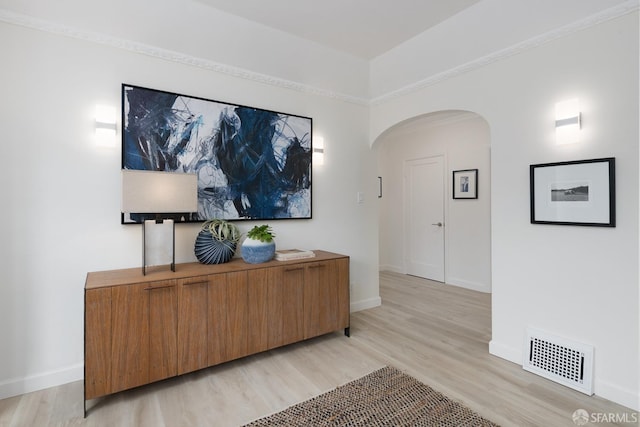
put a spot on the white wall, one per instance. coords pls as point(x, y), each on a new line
point(463, 139)
point(576, 282)
point(61, 193)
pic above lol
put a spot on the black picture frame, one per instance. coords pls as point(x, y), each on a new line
point(579, 192)
point(252, 164)
point(465, 184)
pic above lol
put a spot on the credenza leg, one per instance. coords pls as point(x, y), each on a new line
point(347, 331)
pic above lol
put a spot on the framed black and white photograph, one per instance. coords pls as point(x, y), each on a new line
point(251, 164)
point(465, 184)
point(580, 192)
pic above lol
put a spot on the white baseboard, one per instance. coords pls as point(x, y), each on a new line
point(18, 386)
point(474, 286)
point(391, 268)
point(505, 352)
point(612, 392)
point(365, 304)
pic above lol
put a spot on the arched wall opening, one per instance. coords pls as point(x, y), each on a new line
point(462, 140)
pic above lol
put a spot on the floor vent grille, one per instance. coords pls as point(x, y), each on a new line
point(561, 360)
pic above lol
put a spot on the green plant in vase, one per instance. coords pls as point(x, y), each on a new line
point(263, 233)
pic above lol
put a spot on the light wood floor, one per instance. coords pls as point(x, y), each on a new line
point(437, 333)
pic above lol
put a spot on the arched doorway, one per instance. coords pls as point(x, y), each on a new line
point(461, 140)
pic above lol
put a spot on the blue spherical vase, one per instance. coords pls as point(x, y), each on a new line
point(256, 252)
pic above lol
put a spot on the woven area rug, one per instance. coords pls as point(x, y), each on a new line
point(386, 397)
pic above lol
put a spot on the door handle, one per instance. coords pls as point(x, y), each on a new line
point(439, 224)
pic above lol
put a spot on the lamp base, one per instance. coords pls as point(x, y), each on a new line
point(158, 244)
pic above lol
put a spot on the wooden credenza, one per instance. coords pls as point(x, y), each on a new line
point(145, 328)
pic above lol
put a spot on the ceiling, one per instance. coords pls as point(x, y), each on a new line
point(363, 28)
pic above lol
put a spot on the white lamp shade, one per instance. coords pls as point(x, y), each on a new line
point(159, 192)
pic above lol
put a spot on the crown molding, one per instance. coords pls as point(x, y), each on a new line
point(532, 43)
point(178, 57)
point(173, 56)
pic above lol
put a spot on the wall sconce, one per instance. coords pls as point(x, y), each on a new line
point(318, 150)
point(161, 196)
point(105, 126)
point(568, 121)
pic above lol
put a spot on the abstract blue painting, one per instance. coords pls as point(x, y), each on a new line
point(252, 164)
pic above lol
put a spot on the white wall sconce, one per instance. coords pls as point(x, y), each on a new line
point(568, 121)
point(105, 126)
point(318, 150)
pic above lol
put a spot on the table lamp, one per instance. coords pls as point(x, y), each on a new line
point(161, 196)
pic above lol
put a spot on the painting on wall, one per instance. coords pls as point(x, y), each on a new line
point(251, 164)
point(465, 184)
point(578, 192)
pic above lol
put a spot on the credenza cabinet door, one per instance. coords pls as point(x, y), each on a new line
point(236, 336)
point(217, 318)
point(228, 317)
point(163, 330)
point(193, 331)
point(326, 297)
point(130, 337)
point(144, 334)
point(318, 299)
point(292, 297)
point(258, 282)
point(275, 306)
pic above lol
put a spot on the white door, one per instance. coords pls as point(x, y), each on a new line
point(424, 217)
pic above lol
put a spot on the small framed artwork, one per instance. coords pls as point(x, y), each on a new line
point(465, 184)
point(581, 192)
